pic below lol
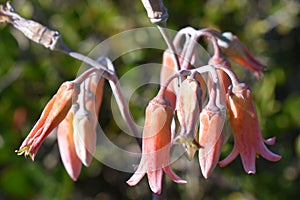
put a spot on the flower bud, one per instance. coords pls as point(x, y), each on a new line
point(211, 138)
point(239, 53)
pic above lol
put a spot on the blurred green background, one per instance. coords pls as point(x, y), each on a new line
point(30, 75)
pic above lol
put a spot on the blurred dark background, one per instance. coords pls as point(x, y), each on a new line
point(30, 75)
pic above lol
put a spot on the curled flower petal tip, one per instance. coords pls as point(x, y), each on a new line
point(270, 141)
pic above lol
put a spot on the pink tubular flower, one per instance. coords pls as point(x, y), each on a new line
point(76, 137)
point(188, 108)
point(211, 134)
point(239, 53)
point(211, 138)
point(54, 112)
point(86, 118)
point(156, 146)
point(248, 141)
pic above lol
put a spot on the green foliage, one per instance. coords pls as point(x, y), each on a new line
point(30, 75)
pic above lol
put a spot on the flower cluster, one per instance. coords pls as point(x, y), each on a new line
point(194, 96)
point(73, 110)
point(199, 103)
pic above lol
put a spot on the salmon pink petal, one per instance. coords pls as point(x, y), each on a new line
point(66, 147)
point(84, 136)
point(54, 112)
point(248, 156)
point(138, 175)
point(234, 153)
point(155, 180)
point(239, 53)
point(267, 154)
point(171, 174)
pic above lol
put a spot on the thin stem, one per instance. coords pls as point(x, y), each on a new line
point(216, 83)
point(190, 47)
point(164, 32)
point(84, 75)
point(106, 73)
point(164, 86)
point(234, 79)
point(186, 32)
point(120, 99)
point(206, 33)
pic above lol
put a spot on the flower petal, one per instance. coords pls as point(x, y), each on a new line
point(211, 138)
point(170, 173)
point(239, 53)
point(155, 180)
point(233, 154)
point(266, 153)
point(84, 136)
point(66, 147)
point(54, 112)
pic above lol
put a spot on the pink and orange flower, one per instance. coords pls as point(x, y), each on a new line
point(248, 141)
point(156, 146)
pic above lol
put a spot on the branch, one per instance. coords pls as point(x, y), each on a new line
point(52, 40)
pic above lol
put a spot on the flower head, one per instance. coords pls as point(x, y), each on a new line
point(86, 118)
point(211, 138)
point(54, 112)
point(188, 108)
point(248, 141)
point(239, 53)
point(156, 146)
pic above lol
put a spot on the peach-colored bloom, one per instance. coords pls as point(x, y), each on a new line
point(239, 53)
point(66, 146)
point(156, 146)
point(188, 108)
point(211, 138)
point(248, 141)
point(86, 118)
point(54, 112)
